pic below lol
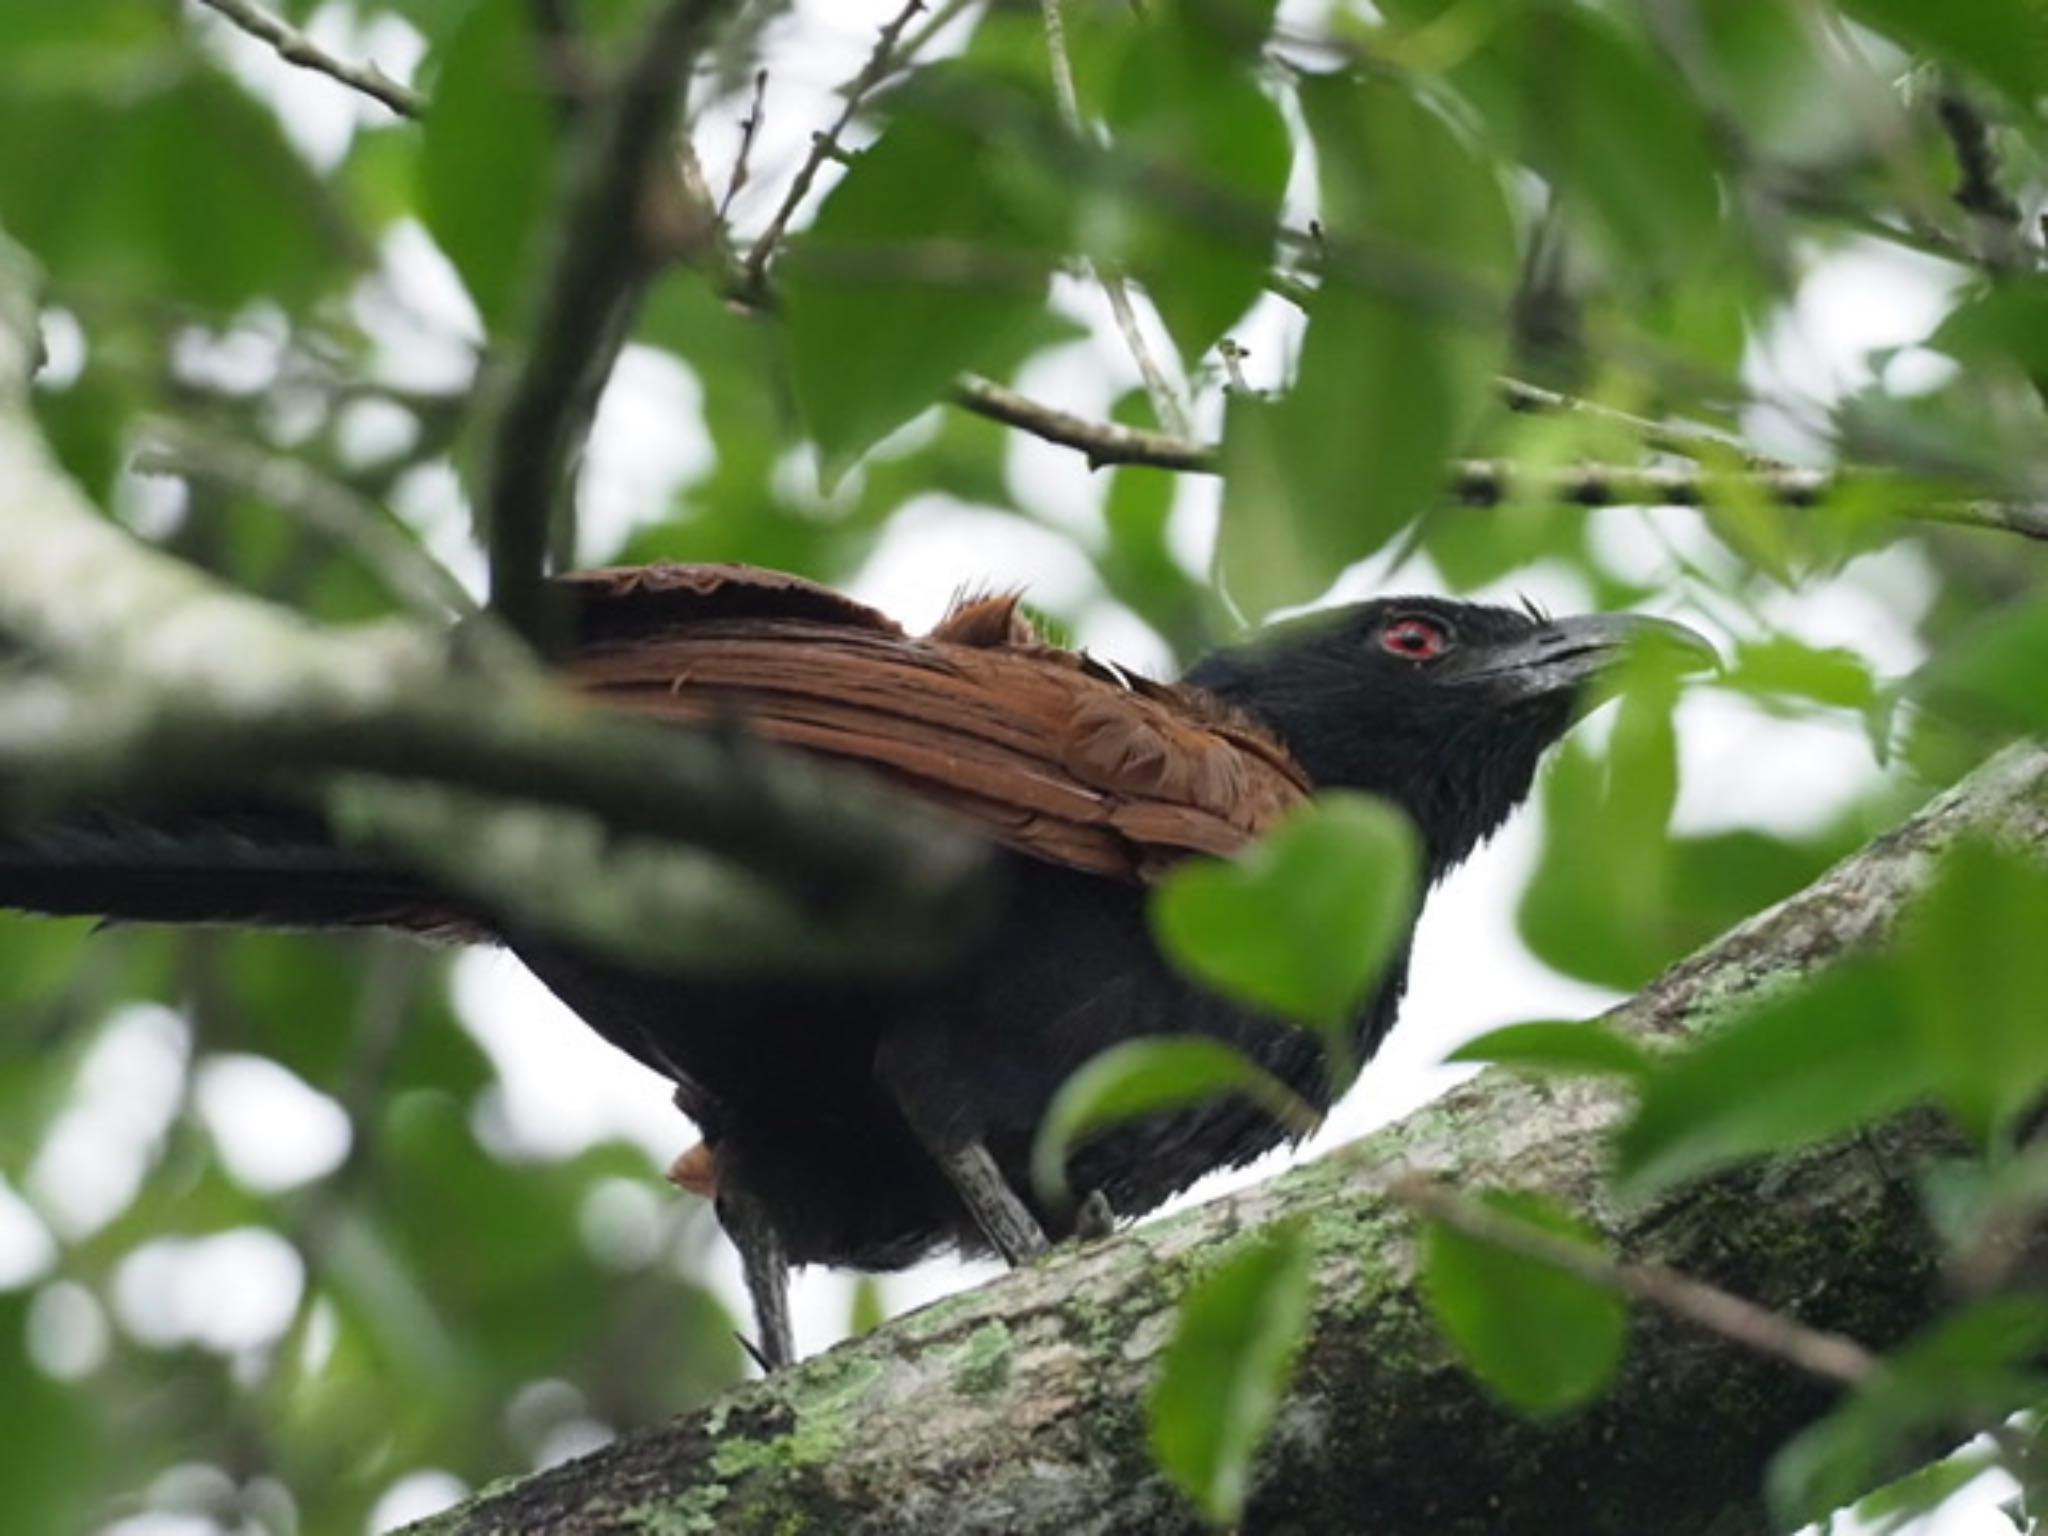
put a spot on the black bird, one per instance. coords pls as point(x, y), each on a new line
point(867, 1124)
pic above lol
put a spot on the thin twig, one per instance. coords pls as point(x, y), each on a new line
point(1233, 357)
point(1491, 482)
point(1830, 1356)
point(1166, 404)
point(1102, 442)
point(1691, 442)
point(753, 271)
point(613, 231)
point(294, 47)
point(941, 16)
point(750, 129)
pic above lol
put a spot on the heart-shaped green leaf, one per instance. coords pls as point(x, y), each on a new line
point(485, 155)
point(931, 254)
point(1544, 1340)
point(1304, 924)
point(1148, 1076)
point(1389, 385)
point(1227, 1368)
point(1580, 1050)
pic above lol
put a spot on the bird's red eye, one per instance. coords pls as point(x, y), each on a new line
point(1416, 639)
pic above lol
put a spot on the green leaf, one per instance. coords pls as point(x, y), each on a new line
point(1992, 677)
point(1966, 1373)
point(2005, 41)
point(1610, 126)
point(1303, 924)
point(55, 1472)
point(1543, 1340)
point(2004, 326)
point(1389, 384)
point(186, 195)
point(1147, 1077)
point(866, 1309)
point(1599, 905)
point(487, 153)
point(1581, 1050)
point(86, 46)
point(1187, 98)
point(1783, 667)
point(1772, 75)
point(1226, 1370)
point(1976, 974)
point(934, 249)
point(1835, 1054)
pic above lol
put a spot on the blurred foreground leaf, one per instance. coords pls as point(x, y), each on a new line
point(1227, 1367)
point(1150, 1076)
point(1543, 1340)
point(1304, 924)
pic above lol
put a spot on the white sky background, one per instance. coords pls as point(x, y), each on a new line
point(563, 1089)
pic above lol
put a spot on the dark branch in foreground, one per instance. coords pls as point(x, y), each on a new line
point(1493, 482)
point(1018, 1408)
point(620, 217)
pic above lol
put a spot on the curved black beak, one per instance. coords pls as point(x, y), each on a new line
point(1564, 655)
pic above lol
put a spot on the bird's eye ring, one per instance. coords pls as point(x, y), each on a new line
point(1415, 639)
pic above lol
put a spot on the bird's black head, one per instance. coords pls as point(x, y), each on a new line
point(1443, 707)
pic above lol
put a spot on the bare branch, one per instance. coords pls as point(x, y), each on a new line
point(294, 47)
point(1663, 436)
point(754, 270)
point(622, 212)
point(1492, 482)
point(750, 129)
point(851, 859)
point(1102, 442)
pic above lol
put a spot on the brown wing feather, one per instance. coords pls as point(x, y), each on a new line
point(1046, 751)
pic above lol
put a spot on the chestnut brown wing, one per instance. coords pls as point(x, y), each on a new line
point(1046, 751)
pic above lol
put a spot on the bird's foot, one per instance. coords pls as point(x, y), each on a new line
point(1095, 1219)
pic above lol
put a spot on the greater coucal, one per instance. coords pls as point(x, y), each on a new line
point(866, 1124)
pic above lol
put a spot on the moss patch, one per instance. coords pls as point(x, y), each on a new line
point(982, 1363)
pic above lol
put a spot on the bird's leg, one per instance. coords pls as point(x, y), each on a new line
point(1004, 1219)
point(965, 1160)
point(765, 1267)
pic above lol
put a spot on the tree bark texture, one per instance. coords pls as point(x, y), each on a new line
point(1019, 1408)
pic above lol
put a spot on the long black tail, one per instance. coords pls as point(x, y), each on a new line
point(266, 867)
